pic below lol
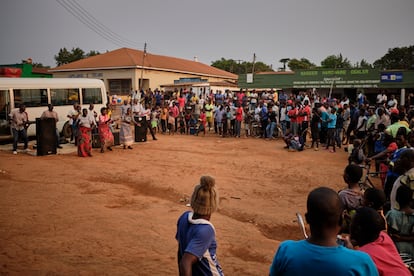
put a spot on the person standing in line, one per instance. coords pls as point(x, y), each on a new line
point(315, 128)
point(196, 235)
point(282, 117)
point(320, 253)
point(175, 113)
point(361, 127)
point(147, 114)
point(305, 113)
point(238, 120)
point(208, 108)
point(218, 118)
point(73, 116)
point(202, 124)
point(124, 107)
point(85, 123)
point(293, 116)
point(339, 126)
point(105, 134)
point(164, 116)
point(50, 113)
point(264, 116)
point(225, 120)
point(126, 137)
point(92, 113)
point(19, 120)
point(272, 122)
point(331, 125)
point(197, 110)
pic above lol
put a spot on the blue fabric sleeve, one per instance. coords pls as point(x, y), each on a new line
point(201, 241)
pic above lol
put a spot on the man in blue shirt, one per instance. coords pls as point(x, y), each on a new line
point(320, 254)
point(331, 124)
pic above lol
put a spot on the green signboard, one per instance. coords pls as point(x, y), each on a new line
point(331, 78)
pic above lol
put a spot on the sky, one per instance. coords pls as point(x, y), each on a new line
point(209, 30)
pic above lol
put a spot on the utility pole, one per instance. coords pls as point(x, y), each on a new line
point(254, 60)
point(142, 68)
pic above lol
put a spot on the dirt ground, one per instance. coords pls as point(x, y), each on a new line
point(116, 213)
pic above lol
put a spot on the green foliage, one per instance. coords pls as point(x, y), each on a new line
point(397, 58)
point(240, 67)
point(303, 63)
point(92, 53)
point(338, 61)
point(363, 64)
point(39, 65)
point(64, 56)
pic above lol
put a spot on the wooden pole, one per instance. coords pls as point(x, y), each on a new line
point(142, 68)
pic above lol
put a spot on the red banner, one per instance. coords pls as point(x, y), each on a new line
point(10, 72)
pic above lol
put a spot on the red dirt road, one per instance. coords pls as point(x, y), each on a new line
point(116, 213)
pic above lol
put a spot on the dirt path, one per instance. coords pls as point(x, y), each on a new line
point(116, 213)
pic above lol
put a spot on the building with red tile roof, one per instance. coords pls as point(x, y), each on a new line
point(125, 69)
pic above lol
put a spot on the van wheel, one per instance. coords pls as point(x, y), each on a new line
point(67, 130)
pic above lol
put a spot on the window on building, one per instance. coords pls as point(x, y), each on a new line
point(120, 86)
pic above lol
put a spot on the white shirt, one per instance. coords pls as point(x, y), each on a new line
point(92, 117)
point(72, 113)
point(137, 109)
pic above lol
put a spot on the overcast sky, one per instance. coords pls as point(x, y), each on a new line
point(210, 30)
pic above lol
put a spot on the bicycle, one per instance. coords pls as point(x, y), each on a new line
point(278, 133)
point(365, 182)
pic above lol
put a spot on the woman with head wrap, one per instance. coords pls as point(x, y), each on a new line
point(196, 235)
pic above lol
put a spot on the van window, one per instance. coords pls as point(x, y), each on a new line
point(4, 112)
point(64, 96)
point(91, 95)
point(30, 97)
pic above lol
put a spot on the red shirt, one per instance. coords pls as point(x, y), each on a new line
point(385, 256)
point(239, 114)
point(175, 111)
point(203, 118)
point(306, 111)
point(181, 102)
point(293, 113)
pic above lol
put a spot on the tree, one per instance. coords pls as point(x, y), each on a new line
point(333, 61)
point(92, 53)
point(303, 63)
point(397, 58)
point(64, 56)
point(261, 67)
point(39, 65)
point(240, 67)
point(363, 64)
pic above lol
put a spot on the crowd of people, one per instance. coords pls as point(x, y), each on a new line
point(354, 231)
point(376, 224)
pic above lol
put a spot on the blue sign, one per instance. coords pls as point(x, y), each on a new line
point(392, 77)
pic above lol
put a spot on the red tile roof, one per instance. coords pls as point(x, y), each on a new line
point(131, 58)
